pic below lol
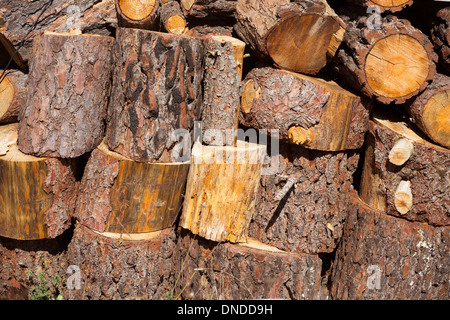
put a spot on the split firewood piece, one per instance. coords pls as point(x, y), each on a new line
point(37, 195)
point(13, 95)
point(440, 35)
point(307, 111)
point(121, 267)
point(302, 207)
point(418, 189)
point(430, 111)
point(391, 63)
point(386, 258)
point(157, 93)
point(385, 5)
point(224, 58)
point(68, 90)
point(252, 270)
point(208, 8)
point(142, 14)
point(222, 213)
point(172, 18)
point(298, 36)
point(123, 196)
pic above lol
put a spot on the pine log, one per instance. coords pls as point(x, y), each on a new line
point(302, 207)
point(382, 257)
point(391, 64)
point(205, 31)
point(385, 5)
point(116, 268)
point(13, 95)
point(221, 190)
point(157, 90)
point(123, 196)
point(142, 14)
point(426, 199)
point(223, 271)
point(430, 111)
point(208, 8)
point(222, 88)
point(37, 195)
point(90, 16)
point(440, 35)
point(298, 36)
point(69, 86)
point(172, 18)
point(307, 111)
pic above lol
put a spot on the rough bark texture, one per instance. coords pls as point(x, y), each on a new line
point(309, 217)
point(123, 196)
point(224, 271)
point(132, 14)
point(383, 5)
point(69, 85)
point(297, 36)
point(430, 111)
point(222, 88)
point(426, 169)
point(400, 50)
point(333, 119)
point(13, 95)
point(410, 259)
point(116, 269)
point(157, 89)
point(91, 16)
point(208, 8)
point(440, 35)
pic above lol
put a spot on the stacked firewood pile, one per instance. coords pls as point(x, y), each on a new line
point(216, 149)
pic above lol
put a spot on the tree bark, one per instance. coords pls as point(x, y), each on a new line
point(172, 18)
point(308, 111)
point(122, 196)
point(157, 91)
point(382, 257)
point(424, 169)
point(389, 60)
point(208, 8)
point(440, 35)
point(224, 271)
point(385, 5)
point(297, 36)
point(222, 213)
point(308, 215)
point(37, 195)
point(430, 111)
point(137, 13)
point(13, 95)
point(69, 86)
point(222, 88)
point(114, 268)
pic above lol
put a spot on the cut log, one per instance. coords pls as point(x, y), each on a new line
point(391, 63)
point(431, 110)
point(157, 92)
point(222, 88)
point(222, 213)
point(223, 271)
point(426, 200)
point(37, 195)
point(13, 95)
point(69, 85)
point(440, 34)
point(172, 18)
point(307, 111)
point(298, 36)
point(123, 196)
point(386, 258)
point(142, 14)
point(91, 16)
point(302, 207)
point(401, 152)
point(385, 5)
point(208, 8)
point(114, 268)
